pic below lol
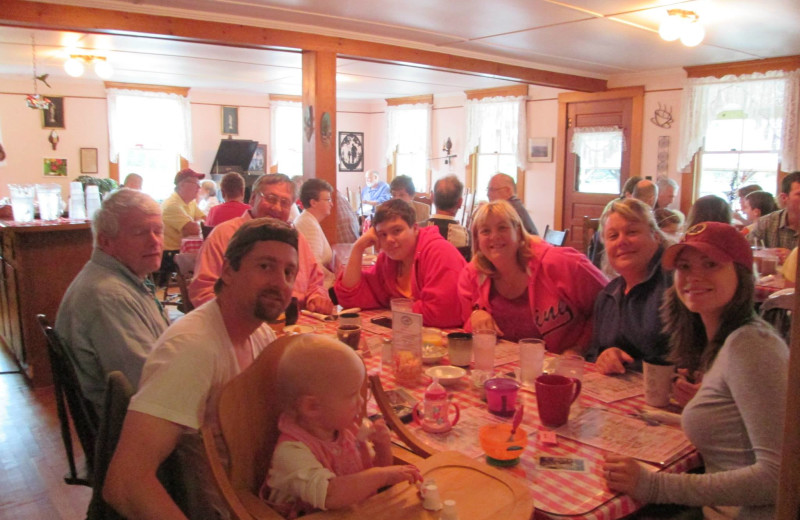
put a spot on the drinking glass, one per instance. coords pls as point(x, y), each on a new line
point(570, 365)
point(531, 360)
point(483, 342)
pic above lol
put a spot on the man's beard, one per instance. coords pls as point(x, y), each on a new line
point(266, 312)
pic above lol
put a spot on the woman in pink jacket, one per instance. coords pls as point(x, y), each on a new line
point(523, 287)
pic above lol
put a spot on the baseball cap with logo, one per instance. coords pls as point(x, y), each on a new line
point(187, 173)
point(719, 241)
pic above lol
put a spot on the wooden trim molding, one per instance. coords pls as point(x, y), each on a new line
point(181, 91)
point(514, 90)
point(785, 63)
point(410, 100)
point(21, 13)
point(285, 97)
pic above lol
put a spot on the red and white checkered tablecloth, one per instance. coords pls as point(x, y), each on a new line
point(191, 244)
point(557, 494)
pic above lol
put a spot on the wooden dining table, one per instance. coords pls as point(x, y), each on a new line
point(556, 492)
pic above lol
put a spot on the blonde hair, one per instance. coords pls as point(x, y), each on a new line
point(633, 210)
point(311, 364)
point(506, 212)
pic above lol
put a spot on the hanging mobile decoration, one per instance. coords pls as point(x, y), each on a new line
point(35, 100)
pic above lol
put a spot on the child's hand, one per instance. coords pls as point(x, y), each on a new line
point(395, 474)
point(380, 435)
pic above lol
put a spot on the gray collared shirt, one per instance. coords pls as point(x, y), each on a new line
point(774, 230)
point(109, 320)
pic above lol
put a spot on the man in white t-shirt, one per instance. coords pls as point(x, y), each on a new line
point(316, 196)
point(192, 361)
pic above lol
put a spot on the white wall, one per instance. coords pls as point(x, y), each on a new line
point(26, 143)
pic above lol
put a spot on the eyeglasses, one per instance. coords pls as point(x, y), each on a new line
point(492, 190)
point(326, 200)
point(274, 200)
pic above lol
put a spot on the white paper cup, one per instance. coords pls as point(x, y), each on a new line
point(657, 383)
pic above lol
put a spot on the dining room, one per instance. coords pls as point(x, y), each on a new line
point(239, 67)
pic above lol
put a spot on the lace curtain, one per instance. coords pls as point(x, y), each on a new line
point(148, 119)
point(765, 98)
point(598, 144)
point(498, 125)
point(408, 129)
point(286, 131)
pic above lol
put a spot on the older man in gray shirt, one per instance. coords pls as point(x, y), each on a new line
point(109, 318)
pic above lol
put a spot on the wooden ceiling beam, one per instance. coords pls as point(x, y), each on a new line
point(23, 13)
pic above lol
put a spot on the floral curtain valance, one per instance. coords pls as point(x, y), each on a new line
point(598, 144)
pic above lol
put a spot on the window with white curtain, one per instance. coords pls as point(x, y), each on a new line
point(287, 136)
point(148, 134)
point(600, 155)
point(496, 127)
point(408, 142)
point(744, 127)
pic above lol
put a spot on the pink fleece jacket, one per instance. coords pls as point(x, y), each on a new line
point(434, 277)
point(208, 265)
point(562, 288)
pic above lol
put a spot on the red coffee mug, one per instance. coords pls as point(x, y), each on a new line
point(554, 395)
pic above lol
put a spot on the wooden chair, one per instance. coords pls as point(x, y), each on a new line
point(590, 227)
point(394, 423)
point(469, 211)
point(184, 271)
point(248, 417)
point(115, 405)
point(556, 238)
point(70, 402)
point(777, 309)
point(206, 230)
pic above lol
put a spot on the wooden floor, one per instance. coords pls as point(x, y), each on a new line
point(32, 458)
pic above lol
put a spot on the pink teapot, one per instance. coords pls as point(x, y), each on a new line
point(436, 410)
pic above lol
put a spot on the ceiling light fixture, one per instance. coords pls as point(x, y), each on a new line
point(76, 65)
point(684, 25)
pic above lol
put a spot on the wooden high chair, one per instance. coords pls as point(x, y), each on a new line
point(248, 415)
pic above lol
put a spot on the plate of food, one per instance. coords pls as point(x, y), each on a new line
point(446, 374)
point(299, 329)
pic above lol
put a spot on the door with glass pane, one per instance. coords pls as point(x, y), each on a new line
point(597, 161)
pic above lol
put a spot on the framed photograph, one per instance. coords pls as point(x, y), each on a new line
point(55, 167)
point(540, 149)
point(351, 151)
point(53, 117)
point(88, 160)
point(259, 162)
point(230, 120)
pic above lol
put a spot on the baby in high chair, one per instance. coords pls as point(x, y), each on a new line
point(321, 461)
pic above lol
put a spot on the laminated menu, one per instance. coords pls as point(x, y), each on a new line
point(627, 436)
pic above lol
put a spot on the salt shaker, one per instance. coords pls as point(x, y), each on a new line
point(430, 497)
point(449, 512)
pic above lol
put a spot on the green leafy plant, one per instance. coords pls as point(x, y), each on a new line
point(104, 184)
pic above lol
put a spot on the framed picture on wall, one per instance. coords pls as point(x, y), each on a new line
point(351, 151)
point(55, 168)
point(540, 149)
point(88, 160)
point(230, 120)
point(53, 117)
point(259, 162)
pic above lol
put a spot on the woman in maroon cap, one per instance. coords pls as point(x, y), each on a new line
point(736, 418)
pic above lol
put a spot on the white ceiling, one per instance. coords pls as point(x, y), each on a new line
point(597, 38)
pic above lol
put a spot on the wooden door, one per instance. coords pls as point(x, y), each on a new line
point(590, 183)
